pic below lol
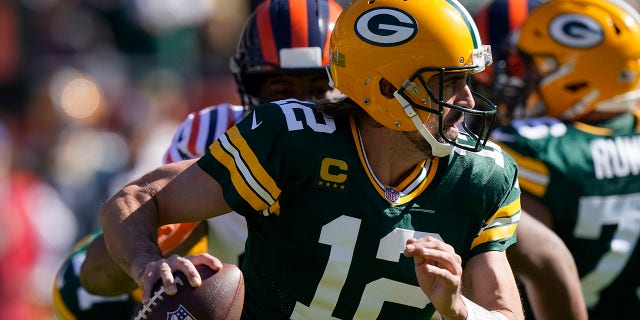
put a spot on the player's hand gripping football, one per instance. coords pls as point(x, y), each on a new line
point(439, 272)
point(164, 269)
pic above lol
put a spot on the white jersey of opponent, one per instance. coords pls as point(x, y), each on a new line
point(227, 233)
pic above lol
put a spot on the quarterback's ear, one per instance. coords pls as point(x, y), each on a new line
point(387, 89)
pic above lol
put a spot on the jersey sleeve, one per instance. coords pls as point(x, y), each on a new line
point(199, 129)
point(524, 140)
point(499, 231)
point(502, 190)
point(71, 301)
point(253, 159)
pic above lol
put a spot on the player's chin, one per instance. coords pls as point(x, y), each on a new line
point(451, 133)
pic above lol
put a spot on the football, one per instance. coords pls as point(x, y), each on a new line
point(220, 296)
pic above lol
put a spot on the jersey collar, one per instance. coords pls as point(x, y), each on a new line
point(411, 187)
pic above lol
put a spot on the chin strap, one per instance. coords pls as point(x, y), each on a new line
point(620, 103)
point(438, 149)
point(579, 107)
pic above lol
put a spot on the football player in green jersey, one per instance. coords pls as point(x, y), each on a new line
point(281, 54)
point(550, 281)
point(579, 161)
point(379, 204)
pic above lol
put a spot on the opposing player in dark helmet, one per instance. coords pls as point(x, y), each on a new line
point(282, 53)
point(373, 205)
point(578, 163)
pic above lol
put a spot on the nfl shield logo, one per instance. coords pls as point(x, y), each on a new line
point(180, 314)
point(391, 194)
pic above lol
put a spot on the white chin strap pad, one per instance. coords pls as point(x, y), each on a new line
point(438, 149)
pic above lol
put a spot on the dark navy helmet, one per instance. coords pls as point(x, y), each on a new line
point(283, 37)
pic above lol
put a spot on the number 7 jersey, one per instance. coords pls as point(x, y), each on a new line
point(326, 237)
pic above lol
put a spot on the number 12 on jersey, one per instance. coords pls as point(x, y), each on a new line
point(340, 235)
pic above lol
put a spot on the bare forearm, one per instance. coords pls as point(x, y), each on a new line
point(176, 192)
point(553, 286)
point(101, 275)
point(546, 267)
point(548, 305)
point(130, 229)
point(493, 288)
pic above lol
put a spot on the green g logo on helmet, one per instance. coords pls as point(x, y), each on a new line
point(386, 26)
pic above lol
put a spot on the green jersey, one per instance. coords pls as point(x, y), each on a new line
point(72, 302)
point(326, 237)
point(589, 179)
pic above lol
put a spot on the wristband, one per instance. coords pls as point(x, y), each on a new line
point(477, 312)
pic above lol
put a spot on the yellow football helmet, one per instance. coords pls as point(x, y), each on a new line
point(585, 54)
point(406, 43)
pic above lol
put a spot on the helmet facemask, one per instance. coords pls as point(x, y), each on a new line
point(404, 43)
point(418, 107)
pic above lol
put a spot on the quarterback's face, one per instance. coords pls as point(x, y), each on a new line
point(301, 87)
point(455, 91)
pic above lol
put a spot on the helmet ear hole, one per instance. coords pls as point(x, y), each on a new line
point(387, 88)
point(574, 87)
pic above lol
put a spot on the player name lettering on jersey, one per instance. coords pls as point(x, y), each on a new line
point(617, 157)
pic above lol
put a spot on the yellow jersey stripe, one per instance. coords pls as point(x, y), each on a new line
point(503, 224)
point(532, 173)
point(59, 307)
point(256, 169)
point(596, 131)
point(411, 187)
point(243, 188)
point(494, 234)
point(531, 164)
point(433, 168)
point(359, 148)
point(531, 186)
point(424, 174)
point(416, 172)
